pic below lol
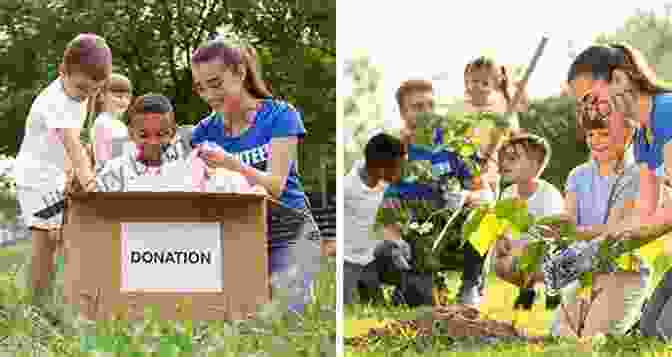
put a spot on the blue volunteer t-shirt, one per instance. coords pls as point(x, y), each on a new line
point(651, 151)
point(274, 119)
point(444, 163)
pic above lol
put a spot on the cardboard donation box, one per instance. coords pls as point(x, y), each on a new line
point(200, 256)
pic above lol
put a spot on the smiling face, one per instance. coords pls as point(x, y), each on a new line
point(480, 84)
point(613, 102)
point(219, 85)
point(149, 131)
point(414, 103)
point(598, 143)
point(602, 148)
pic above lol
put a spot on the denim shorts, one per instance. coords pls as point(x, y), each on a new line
point(294, 254)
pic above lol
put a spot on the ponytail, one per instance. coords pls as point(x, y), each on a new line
point(508, 89)
point(639, 70)
point(602, 60)
point(504, 85)
point(253, 82)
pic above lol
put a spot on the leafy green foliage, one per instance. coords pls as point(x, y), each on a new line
point(554, 118)
point(423, 223)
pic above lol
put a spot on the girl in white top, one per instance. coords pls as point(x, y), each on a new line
point(109, 132)
point(51, 145)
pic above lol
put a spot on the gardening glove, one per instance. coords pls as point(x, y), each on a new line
point(398, 252)
point(565, 267)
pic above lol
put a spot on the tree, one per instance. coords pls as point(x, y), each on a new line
point(363, 112)
point(554, 118)
point(650, 32)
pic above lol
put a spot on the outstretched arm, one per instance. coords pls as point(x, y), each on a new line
point(650, 212)
point(78, 158)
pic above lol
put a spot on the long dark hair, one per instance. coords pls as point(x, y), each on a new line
point(602, 60)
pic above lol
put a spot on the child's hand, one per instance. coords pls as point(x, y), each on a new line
point(214, 156)
point(259, 189)
point(479, 198)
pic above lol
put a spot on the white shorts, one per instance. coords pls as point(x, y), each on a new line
point(32, 201)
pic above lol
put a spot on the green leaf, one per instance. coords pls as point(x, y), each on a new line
point(388, 216)
point(586, 280)
point(472, 222)
point(425, 125)
point(565, 228)
point(515, 231)
point(506, 208)
point(521, 220)
point(533, 257)
point(467, 150)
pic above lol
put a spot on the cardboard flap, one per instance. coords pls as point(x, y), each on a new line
point(86, 196)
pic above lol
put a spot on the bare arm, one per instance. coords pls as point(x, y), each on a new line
point(328, 248)
point(616, 216)
point(284, 152)
point(650, 186)
point(78, 158)
point(570, 206)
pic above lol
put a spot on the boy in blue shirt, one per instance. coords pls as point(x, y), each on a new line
point(415, 97)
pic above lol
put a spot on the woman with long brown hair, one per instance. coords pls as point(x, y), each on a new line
point(614, 83)
point(259, 136)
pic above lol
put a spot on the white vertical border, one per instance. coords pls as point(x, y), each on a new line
point(339, 197)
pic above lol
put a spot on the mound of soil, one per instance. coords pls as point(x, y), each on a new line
point(455, 321)
point(464, 321)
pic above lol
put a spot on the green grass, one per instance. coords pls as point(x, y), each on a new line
point(50, 328)
point(359, 318)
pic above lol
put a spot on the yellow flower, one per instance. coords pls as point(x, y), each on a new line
point(626, 262)
point(503, 226)
point(486, 234)
point(521, 317)
point(651, 251)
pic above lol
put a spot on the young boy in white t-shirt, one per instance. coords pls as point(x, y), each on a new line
point(363, 190)
point(51, 147)
point(522, 160)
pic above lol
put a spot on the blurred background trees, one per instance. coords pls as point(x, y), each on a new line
point(552, 117)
